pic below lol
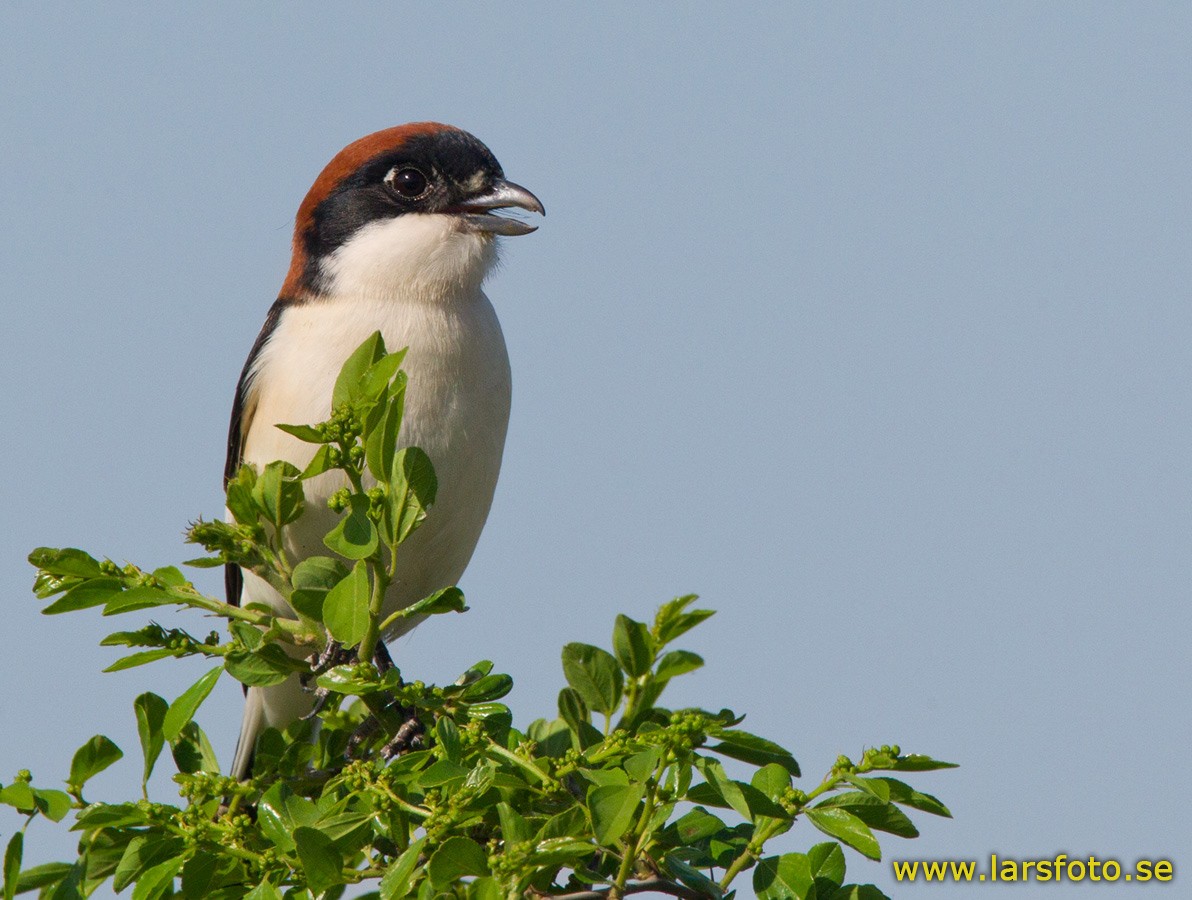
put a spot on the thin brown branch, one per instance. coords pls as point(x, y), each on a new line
point(660, 885)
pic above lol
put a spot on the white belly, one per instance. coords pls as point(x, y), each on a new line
point(457, 410)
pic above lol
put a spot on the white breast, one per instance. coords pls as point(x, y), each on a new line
point(457, 410)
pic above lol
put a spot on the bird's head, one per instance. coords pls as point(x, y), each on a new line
point(407, 211)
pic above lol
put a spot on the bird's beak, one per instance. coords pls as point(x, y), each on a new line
point(476, 211)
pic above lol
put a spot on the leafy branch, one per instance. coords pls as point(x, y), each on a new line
point(424, 791)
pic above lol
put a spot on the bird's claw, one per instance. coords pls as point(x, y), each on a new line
point(334, 655)
point(408, 737)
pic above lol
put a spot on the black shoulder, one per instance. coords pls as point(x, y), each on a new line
point(238, 426)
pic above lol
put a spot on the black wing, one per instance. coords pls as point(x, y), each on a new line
point(233, 577)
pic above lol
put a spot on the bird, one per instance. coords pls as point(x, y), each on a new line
point(397, 234)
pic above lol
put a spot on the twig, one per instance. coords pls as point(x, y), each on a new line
point(661, 885)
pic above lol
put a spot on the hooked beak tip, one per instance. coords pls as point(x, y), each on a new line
point(477, 211)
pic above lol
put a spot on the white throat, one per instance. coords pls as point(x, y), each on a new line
point(413, 256)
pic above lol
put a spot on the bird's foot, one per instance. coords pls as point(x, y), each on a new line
point(333, 655)
point(408, 737)
point(367, 729)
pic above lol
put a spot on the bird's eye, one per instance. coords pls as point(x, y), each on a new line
point(409, 183)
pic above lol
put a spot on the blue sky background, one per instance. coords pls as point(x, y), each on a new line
point(870, 323)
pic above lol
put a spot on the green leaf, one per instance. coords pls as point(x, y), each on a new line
point(916, 762)
point(446, 600)
point(672, 608)
point(858, 892)
point(308, 603)
point(496, 717)
point(345, 610)
point(350, 679)
point(381, 373)
point(152, 635)
point(20, 795)
point(901, 792)
point(54, 805)
point(355, 537)
point(278, 493)
point(602, 777)
point(70, 887)
point(199, 875)
point(744, 798)
point(573, 710)
point(684, 623)
point(204, 562)
point(561, 850)
point(151, 712)
point(412, 491)
point(319, 573)
point(321, 862)
point(488, 688)
point(875, 786)
point(91, 759)
point(12, 863)
point(263, 891)
point(347, 384)
point(694, 878)
point(827, 863)
point(772, 780)
point(110, 815)
point(136, 598)
point(67, 561)
point(140, 855)
point(40, 876)
point(730, 790)
point(307, 433)
point(873, 812)
point(274, 815)
point(671, 620)
point(564, 825)
point(380, 445)
point(46, 585)
point(319, 463)
point(613, 808)
point(594, 673)
point(93, 592)
point(139, 658)
point(249, 635)
point(171, 576)
point(475, 672)
point(155, 881)
point(448, 734)
point(759, 804)
point(514, 829)
point(844, 826)
point(260, 668)
point(396, 882)
point(677, 662)
point(457, 857)
point(183, 709)
point(193, 752)
point(442, 772)
point(753, 749)
point(633, 646)
point(641, 765)
point(239, 495)
point(786, 877)
point(696, 825)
